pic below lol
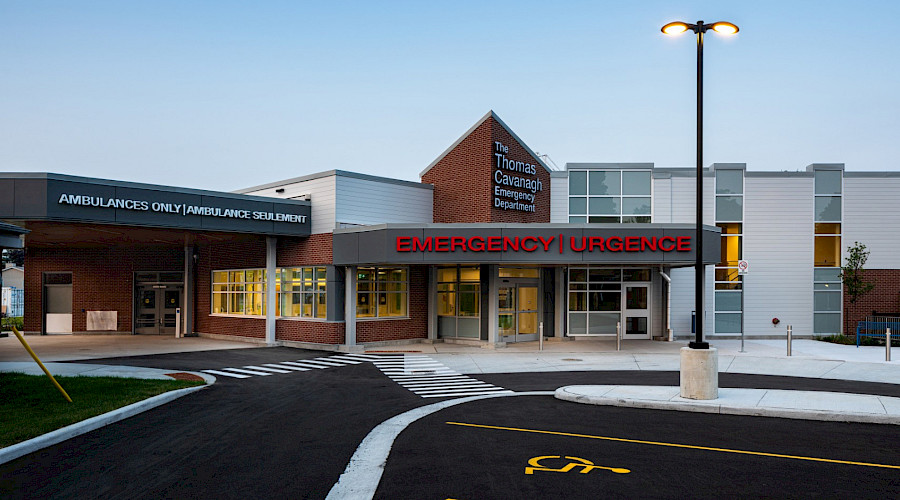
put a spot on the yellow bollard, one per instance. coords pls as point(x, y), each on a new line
point(38, 361)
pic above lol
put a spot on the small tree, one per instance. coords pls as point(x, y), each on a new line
point(852, 275)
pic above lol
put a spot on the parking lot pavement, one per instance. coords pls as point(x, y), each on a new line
point(539, 447)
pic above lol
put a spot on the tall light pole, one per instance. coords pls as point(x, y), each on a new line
point(676, 28)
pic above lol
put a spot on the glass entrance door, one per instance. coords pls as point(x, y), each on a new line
point(155, 309)
point(637, 312)
point(518, 310)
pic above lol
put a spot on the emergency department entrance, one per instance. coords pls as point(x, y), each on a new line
point(519, 304)
point(157, 297)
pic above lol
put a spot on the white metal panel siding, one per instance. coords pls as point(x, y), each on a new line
point(662, 200)
point(871, 217)
point(683, 205)
point(778, 243)
point(322, 200)
point(683, 302)
point(364, 201)
point(559, 199)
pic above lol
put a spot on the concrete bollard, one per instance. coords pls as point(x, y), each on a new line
point(699, 373)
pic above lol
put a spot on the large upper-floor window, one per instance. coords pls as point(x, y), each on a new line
point(610, 196)
point(382, 292)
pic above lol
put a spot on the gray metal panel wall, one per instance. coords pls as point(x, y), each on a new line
point(322, 200)
point(778, 243)
point(559, 199)
point(871, 217)
point(365, 202)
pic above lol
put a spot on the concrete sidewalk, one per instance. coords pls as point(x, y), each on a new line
point(804, 405)
point(87, 370)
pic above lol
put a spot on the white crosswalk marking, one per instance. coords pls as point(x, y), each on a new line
point(273, 370)
point(286, 367)
point(301, 365)
point(304, 365)
point(217, 372)
point(429, 379)
point(251, 372)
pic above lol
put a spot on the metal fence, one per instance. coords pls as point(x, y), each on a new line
point(877, 326)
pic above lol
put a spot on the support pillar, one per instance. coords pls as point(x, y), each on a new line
point(187, 309)
point(350, 306)
point(432, 303)
point(271, 295)
point(559, 315)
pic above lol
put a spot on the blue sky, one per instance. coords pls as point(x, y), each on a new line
point(228, 94)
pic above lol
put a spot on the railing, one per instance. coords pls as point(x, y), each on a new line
point(877, 327)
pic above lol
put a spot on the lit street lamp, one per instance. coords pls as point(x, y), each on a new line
point(700, 28)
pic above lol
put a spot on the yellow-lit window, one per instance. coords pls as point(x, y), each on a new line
point(828, 251)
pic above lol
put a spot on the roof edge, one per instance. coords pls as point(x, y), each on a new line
point(489, 114)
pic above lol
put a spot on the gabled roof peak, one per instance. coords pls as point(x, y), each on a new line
point(489, 114)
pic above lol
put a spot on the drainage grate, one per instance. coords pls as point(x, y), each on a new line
point(572, 359)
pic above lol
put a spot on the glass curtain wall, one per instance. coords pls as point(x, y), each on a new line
point(827, 290)
point(459, 302)
point(610, 196)
point(729, 218)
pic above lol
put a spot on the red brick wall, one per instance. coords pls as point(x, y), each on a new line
point(463, 180)
point(542, 198)
point(309, 331)
point(416, 327)
point(227, 255)
point(102, 279)
point(885, 298)
point(312, 251)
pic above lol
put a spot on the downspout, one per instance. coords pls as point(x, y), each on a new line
point(668, 303)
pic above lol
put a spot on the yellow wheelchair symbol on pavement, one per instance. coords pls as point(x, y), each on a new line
point(575, 462)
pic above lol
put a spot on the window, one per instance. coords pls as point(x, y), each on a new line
point(301, 292)
point(610, 196)
point(827, 289)
point(382, 292)
point(459, 301)
point(728, 295)
point(242, 292)
point(239, 292)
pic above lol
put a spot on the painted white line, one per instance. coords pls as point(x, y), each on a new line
point(305, 365)
point(408, 383)
point(477, 393)
point(342, 359)
point(251, 372)
point(286, 367)
point(449, 385)
point(448, 390)
point(367, 357)
point(322, 361)
point(217, 372)
point(273, 370)
point(361, 477)
point(413, 378)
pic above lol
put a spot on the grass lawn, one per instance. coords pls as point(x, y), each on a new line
point(30, 405)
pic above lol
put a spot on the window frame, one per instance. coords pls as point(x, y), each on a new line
point(618, 198)
point(377, 291)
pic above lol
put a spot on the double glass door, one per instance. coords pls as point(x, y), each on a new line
point(518, 309)
point(155, 309)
